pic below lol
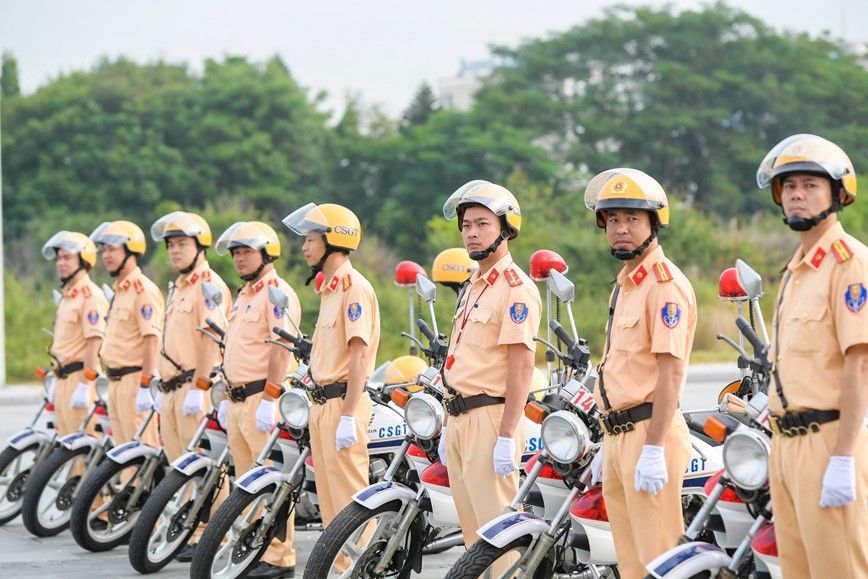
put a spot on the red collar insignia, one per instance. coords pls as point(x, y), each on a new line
point(818, 257)
point(492, 277)
point(640, 275)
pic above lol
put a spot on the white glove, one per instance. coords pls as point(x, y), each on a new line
point(49, 394)
point(143, 400)
point(158, 401)
point(193, 401)
point(597, 467)
point(651, 472)
point(346, 433)
point(80, 396)
point(264, 415)
point(441, 446)
point(504, 456)
point(221, 413)
point(839, 482)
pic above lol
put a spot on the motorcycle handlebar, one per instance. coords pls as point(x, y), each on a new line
point(562, 334)
point(426, 331)
point(285, 335)
point(749, 333)
point(214, 326)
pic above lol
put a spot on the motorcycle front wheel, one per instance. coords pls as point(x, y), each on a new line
point(485, 560)
point(352, 544)
point(47, 503)
point(16, 467)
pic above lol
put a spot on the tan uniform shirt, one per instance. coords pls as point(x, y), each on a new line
point(186, 310)
point(655, 314)
point(348, 309)
point(80, 315)
point(822, 313)
point(250, 321)
point(497, 310)
point(136, 312)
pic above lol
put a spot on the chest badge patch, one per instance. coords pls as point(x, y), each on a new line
point(671, 314)
point(147, 311)
point(93, 317)
point(354, 311)
point(518, 312)
point(855, 297)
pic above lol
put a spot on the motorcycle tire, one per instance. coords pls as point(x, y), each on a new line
point(52, 476)
point(16, 467)
point(476, 561)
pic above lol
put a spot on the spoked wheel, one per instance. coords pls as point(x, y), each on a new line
point(160, 533)
point(237, 520)
point(16, 466)
point(102, 517)
point(485, 560)
point(47, 502)
point(353, 544)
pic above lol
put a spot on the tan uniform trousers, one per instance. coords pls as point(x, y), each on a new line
point(69, 419)
point(177, 429)
point(644, 526)
point(816, 542)
point(122, 412)
point(246, 443)
point(479, 494)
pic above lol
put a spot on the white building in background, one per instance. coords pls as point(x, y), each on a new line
point(457, 92)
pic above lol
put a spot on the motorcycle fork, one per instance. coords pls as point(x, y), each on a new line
point(406, 516)
point(526, 486)
point(145, 475)
point(543, 544)
point(286, 489)
point(731, 571)
point(698, 522)
point(93, 460)
point(210, 482)
point(397, 460)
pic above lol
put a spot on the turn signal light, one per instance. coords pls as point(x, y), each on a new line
point(535, 411)
point(765, 542)
point(203, 383)
point(400, 397)
point(90, 374)
point(41, 373)
point(273, 390)
point(715, 428)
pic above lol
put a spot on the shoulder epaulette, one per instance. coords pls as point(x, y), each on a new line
point(206, 275)
point(139, 287)
point(842, 251)
point(661, 272)
point(85, 291)
point(347, 282)
point(273, 282)
point(512, 278)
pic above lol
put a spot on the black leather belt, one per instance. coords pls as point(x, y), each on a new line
point(616, 423)
point(173, 384)
point(64, 371)
point(239, 393)
point(461, 404)
point(801, 423)
point(115, 374)
point(322, 394)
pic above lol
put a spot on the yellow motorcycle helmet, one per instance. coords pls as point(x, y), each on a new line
point(623, 188)
point(452, 266)
point(401, 370)
point(71, 241)
point(252, 234)
point(811, 154)
point(339, 225)
point(120, 233)
point(182, 224)
point(496, 198)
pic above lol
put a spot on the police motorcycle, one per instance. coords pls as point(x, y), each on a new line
point(258, 508)
point(55, 484)
point(742, 485)
point(184, 498)
point(26, 451)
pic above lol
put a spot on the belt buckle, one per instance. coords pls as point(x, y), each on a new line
point(456, 405)
point(316, 396)
point(774, 422)
point(605, 426)
point(235, 394)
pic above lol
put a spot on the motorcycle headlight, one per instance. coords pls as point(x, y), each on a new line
point(295, 408)
point(565, 437)
point(217, 393)
point(746, 459)
point(424, 416)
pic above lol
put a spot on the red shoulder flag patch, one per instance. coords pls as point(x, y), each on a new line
point(512, 278)
point(842, 251)
point(662, 272)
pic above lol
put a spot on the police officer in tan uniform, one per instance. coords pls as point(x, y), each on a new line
point(133, 330)
point(652, 321)
point(250, 363)
point(79, 326)
point(819, 348)
point(344, 352)
point(186, 353)
point(491, 358)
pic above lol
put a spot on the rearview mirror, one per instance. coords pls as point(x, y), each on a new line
point(56, 296)
point(212, 293)
point(277, 298)
point(749, 279)
point(109, 292)
point(426, 288)
point(563, 288)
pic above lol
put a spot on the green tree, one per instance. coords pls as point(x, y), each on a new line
point(423, 105)
point(9, 76)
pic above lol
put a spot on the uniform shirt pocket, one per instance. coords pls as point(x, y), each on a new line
point(628, 337)
point(326, 322)
point(252, 315)
point(809, 330)
point(478, 332)
point(121, 314)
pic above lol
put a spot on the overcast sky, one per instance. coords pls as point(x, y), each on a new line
point(382, 49)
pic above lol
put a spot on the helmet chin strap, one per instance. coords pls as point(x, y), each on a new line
point(117, 272)
point(628, 254)
point(802, 224)
point(480, 255)
point(315, 269)
point(265, 261)
point(192, 266)
point(65, 280)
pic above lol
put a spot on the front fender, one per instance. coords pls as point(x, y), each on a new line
point(132, 450)
point(78, 440)
point(191, 463)
point(379, 494)
point(509, 527)
point(259, 478)
point(29, 436)
point(687, 560)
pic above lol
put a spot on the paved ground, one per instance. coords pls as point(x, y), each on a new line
point(23, 556)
